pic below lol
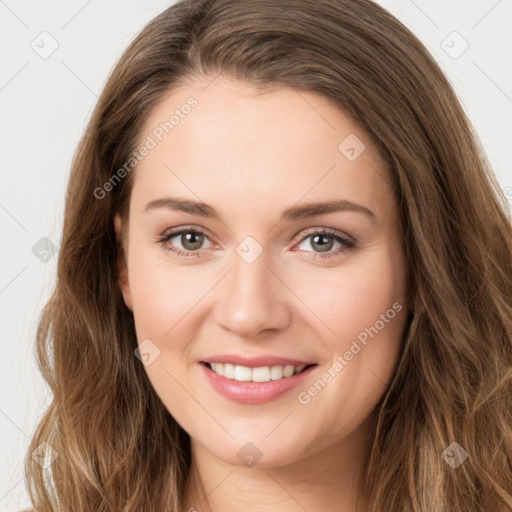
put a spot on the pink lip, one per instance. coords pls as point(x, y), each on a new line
point(253, 392)
point(255, 362)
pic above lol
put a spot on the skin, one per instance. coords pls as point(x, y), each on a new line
point(251, 156)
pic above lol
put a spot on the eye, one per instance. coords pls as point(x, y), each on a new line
point(190, 238)
point(322, 239)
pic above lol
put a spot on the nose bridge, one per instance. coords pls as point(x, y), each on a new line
point(253, 298)
point(251, 273)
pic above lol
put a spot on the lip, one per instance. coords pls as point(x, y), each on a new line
point(256, 361)
point(252, 393)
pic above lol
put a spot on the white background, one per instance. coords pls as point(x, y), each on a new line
point(45, 104)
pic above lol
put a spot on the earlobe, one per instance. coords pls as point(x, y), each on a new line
point(122, 267)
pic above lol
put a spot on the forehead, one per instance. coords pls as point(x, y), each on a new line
point(225, 143)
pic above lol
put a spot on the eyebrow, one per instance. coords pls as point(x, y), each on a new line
point(293, 213)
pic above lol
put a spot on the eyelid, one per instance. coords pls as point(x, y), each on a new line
point(176, 231)
point(329, 231)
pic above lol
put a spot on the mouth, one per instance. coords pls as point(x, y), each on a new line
point(254, 385)
point(241, 373)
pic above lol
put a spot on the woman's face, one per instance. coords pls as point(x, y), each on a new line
point(263, 286)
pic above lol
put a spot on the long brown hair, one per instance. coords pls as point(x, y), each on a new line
point(117, 447)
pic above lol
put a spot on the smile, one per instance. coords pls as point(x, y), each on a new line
point(254, 385)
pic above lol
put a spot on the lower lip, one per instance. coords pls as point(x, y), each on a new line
point(253, 392)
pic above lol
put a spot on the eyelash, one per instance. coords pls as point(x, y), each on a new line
point(348, 244)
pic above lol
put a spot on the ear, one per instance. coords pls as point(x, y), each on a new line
point(122, 266)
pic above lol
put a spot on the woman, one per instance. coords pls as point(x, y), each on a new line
point(284, 279)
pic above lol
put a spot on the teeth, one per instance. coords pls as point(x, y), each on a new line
point(261, 374)
point(229, 371)
point(276, 372)
point(242, 373)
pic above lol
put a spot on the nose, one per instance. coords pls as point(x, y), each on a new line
point(252, 298)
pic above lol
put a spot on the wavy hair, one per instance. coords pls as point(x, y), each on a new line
point(117, 447)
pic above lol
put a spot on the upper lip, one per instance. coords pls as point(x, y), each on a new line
point(255, 361)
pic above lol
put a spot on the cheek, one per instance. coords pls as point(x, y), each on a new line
point(165, 297)
point(363, 314)
point(352, 298)
point(163, 292)
point(364, 309)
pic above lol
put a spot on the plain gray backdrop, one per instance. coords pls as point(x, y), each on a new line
point(56, 56)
